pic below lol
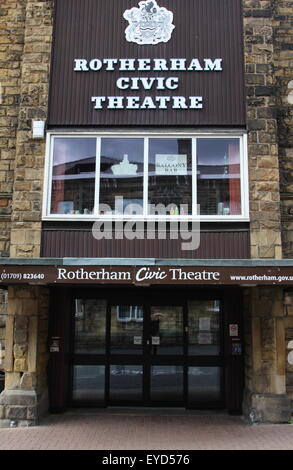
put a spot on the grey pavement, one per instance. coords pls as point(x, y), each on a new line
point(131, 429)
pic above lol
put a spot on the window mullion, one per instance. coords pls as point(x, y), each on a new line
point(194, 177)
point(50, 175)
point(244, 176)
point(97, 177)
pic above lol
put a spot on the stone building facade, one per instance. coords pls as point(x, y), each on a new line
point(25, 58)
point(269, 69)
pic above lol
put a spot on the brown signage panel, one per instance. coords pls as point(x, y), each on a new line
point(142, 275)
point(192, 76)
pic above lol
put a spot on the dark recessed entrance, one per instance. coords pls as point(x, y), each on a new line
point(148, 347)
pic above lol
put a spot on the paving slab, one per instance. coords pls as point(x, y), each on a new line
point(146, 430)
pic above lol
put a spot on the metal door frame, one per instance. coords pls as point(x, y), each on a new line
point(162, 297)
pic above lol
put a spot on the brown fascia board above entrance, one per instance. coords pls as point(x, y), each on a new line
point(143, 272)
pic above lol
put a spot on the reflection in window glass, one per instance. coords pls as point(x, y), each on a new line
point(218, 176)
point(167, 383)
point(122, 166)
point(204, 327)
point(146, 176)
point(167, 330)
point(126, 383)
point(126, 329)
point(204, 384)
point(89, 384)
point(90, 326)
point(73, 179)
point(170, 175)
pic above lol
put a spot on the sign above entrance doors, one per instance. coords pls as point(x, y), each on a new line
point(147, 63)
point(146, 275)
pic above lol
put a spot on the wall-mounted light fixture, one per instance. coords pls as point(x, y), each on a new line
point(38, 129)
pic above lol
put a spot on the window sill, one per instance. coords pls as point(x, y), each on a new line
point(127, 218)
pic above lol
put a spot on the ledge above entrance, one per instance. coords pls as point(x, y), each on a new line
point(146, 261)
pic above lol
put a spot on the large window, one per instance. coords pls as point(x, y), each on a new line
point(90, 177)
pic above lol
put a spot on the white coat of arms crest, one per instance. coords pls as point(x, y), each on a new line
point(148, 24)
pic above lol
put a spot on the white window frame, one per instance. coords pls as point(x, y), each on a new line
point(243, 217)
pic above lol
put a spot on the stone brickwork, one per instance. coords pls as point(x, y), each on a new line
point(30, 154)
point(12, 16)
point(25, 396)
point(264, 184)
point(284, 77)
point(266, 398)
point(25, 55)
point(268, 27)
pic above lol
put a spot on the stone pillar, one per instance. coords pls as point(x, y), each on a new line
point(25, 397)
point(265, 398)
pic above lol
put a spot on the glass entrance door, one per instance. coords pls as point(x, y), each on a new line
point(166, 352)
point(143, 341)
point(165, 355)
point(204, 354)
point(126, 348)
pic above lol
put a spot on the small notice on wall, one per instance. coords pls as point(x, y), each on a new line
point(233, 330)
point(55, 346)
point(171, 164)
